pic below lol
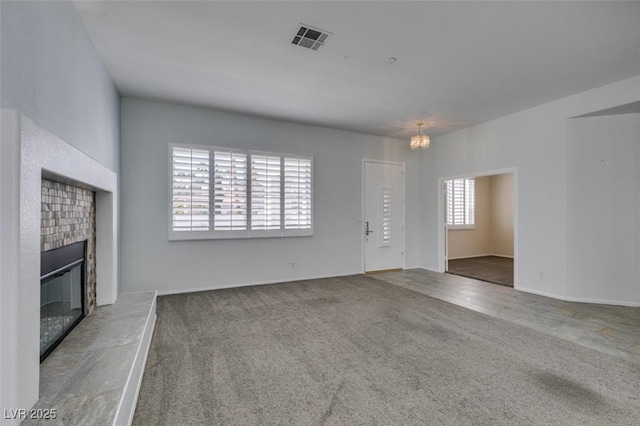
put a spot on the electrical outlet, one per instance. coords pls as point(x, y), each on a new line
point(542, 275)
point(293, 265)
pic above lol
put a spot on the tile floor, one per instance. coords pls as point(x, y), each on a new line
point(614, 330)
point(494, 269)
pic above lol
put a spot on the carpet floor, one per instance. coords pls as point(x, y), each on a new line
point(358, 351)
point(493, 269)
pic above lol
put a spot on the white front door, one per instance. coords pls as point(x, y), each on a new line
point(383, 229)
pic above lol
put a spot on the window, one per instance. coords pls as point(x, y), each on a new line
point(190, 196)
point(266, 178)
point(297, 193)
point(227, 193)
point(460, 200)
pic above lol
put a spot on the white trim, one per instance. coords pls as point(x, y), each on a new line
point(481, 255)
point(581, 299)
point(404, 208)
point(240, 235)
point(144, 363)
point(240, 285)
point(124, 416)
point(12, 363)
point(442, 234)
point(469, 257)
point(460, 227)
point(502, 255)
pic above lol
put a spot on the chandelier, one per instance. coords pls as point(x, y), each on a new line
point(419, 141)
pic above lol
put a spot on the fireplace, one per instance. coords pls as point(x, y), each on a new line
point(68, 260)
point(62, 295)
point(31, 153)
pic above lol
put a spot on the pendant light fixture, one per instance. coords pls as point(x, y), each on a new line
point(419, 141)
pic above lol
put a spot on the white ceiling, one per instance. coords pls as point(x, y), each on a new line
point(459, 63)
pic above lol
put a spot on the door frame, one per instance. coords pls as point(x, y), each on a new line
point(404, 208)
point(442, 246)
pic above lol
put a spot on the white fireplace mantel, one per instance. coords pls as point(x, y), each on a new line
point(27, 152)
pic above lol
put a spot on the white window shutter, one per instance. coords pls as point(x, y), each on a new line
point(460, 202)
point(298, 196)
point(229, 191)
point(190, 189)
point(265, 192)
point(220, 192)
point(469, 202)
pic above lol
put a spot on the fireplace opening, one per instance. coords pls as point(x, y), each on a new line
point(61, 294)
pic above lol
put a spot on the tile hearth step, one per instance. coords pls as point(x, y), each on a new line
point(93, 376)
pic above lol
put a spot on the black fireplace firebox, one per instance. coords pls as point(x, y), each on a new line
point(61, 294)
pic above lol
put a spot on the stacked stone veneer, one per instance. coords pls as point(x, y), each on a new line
point(69, 216)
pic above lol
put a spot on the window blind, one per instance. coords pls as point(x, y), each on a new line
point(460, 203)
point(469, 202)
point(297, 193)
point(229, 191)
point(190, 189)
point(265, 191)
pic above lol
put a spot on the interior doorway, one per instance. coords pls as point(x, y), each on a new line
point(383, 211)
point(479, 226)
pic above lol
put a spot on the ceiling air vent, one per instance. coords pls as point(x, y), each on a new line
point(310, 37)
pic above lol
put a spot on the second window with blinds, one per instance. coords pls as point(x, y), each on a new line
point(228, 193)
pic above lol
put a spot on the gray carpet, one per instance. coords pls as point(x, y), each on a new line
point(493, 269)
point(355, 350)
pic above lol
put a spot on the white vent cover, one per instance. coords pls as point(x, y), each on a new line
point(310, 37)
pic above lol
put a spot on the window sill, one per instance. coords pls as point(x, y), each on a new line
point(237, 235)
point(461, 227)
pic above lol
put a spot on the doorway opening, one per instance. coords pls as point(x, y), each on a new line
point(479, 224)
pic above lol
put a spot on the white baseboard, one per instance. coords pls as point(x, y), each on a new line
point(580, 299)
point(501, 255)
point(469, 257)
point(224, 286)
point(480, 255)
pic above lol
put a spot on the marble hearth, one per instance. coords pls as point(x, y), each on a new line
point(92, 377)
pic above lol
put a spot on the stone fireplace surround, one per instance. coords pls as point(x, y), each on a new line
point(69, 216)
point(29, 153)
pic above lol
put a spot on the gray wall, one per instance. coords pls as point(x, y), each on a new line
point(603, 196)
point(52, 73)
point(150, 261)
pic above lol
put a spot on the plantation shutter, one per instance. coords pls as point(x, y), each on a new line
point(190, 189)
point(460, 202)
point(229, 191)
point(297, 193)
point(469, 202)
point(448, 185)
point(265, 192)
point(218, 192)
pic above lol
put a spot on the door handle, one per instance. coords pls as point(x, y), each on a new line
point(366, 231)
